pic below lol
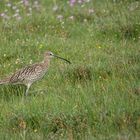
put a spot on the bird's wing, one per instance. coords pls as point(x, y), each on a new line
point(23, 73)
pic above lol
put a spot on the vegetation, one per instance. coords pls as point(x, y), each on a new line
point(98, 95)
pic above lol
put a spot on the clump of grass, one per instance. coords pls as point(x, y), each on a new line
point(131, 31)
point(55, 127)
point(128, 120)
point(22, 122)
point(80, 74)
point(11, 91)
point(6, 58)
point(136, 91)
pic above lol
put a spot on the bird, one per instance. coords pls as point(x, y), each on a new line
point(32, 73)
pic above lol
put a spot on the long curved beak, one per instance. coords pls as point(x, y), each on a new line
point(62, 58)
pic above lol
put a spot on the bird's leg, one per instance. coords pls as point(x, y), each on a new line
point(27, 89)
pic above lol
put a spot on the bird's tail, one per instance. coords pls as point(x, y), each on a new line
point(4, 81)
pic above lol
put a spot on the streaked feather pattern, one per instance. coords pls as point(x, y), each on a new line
point(28, 74)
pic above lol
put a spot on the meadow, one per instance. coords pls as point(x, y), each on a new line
point(97, 97)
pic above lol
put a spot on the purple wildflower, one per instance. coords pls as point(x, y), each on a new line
point(2, 14)
point(26, 2)
point(72, 2)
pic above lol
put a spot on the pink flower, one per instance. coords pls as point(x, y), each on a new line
point(72, 2)
point(2, 14)
point(26, 2)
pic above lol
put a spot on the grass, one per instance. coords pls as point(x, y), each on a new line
point(97, 96)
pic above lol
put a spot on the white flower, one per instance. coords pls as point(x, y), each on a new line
point(60, 17)
point(90, 11)
point(71, 17)
point(55, 8)
point(14, 7)
point(9, 5)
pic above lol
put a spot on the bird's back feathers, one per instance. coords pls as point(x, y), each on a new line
point(26, 75)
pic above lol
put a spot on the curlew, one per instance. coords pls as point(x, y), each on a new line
point(32, 73)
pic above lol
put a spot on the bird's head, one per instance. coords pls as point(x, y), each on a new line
point(49, 55)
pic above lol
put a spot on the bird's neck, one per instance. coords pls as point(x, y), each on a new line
point(46, 62)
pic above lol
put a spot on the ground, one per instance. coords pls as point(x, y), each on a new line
point(95, 97)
